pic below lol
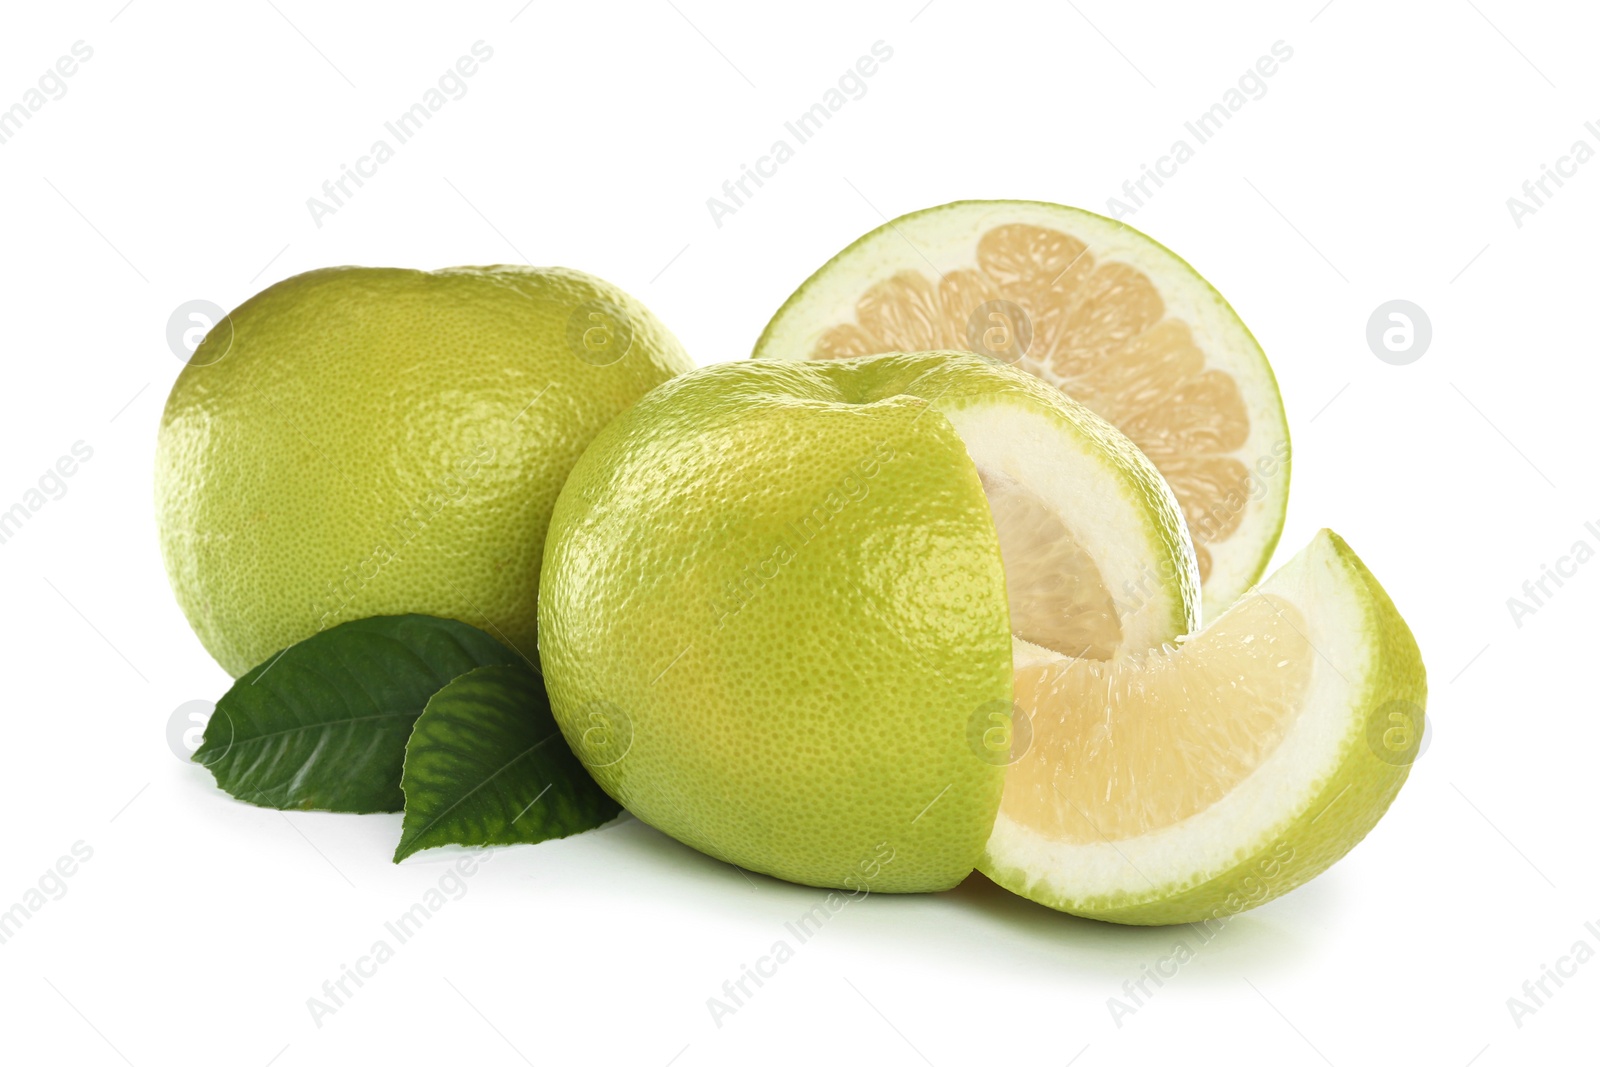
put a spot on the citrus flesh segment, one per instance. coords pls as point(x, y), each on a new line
point(1096, 556)
point(774, 619)
point(1134, 746)
point(1209, 776)
point(1058, 596)
point(1096, 309)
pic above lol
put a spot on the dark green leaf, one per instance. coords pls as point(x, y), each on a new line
point(487, 765)
point(323, 725)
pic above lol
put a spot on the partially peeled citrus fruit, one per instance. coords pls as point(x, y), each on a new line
point(870, 623)
point(778, 600)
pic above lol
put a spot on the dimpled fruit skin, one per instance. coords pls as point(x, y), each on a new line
point(380, 441)
point(782, 580)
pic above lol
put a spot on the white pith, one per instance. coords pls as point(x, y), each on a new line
point(943, 240)
point(1075, 479)
point(1276, 794)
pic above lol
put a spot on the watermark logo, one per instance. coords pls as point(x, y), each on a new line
point(1253, 888)
point(1251, 85)
point(851, 85)
point(51, 886)
point(1399, 332)
point(999, 733)
point(1000, 330)
point(451, 85)
point(599, 332)
point(605, 736)
point(196, 321)
point(52, 485)
point(50, 86)
point(1537, 592)
point(1398, 732)
point(737, 992)
point(337, 992)
point(1537, 992)
point(186, 727)
point(1538, 192)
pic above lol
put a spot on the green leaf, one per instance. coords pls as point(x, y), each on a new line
point(323, 724)
point(487, 765)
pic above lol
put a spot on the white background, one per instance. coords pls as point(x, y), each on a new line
point(1378, 165)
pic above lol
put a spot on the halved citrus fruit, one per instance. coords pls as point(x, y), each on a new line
point(1097, 309)
point(1210, 776)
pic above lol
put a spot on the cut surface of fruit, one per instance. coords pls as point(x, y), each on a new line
point(791, 588)
point(1096, 557)
point(1096, 309)
point(1198, 779)
point(1130, 747)
point(1058, 596)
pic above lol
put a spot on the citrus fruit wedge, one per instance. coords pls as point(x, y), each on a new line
point(1210, 776)
point(777, 602)
point(1099, 310)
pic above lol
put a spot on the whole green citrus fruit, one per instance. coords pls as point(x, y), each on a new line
point(364, 441)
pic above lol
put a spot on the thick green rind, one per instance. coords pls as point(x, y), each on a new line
point(945, 379)
point(1349, 804)
point(1213, 606)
